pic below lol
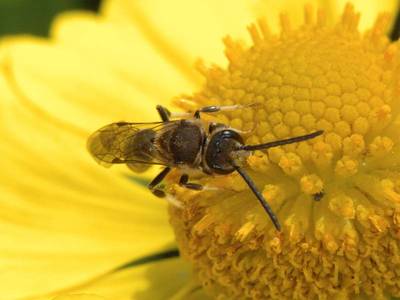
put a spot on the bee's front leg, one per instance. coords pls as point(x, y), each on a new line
point(153, 184)
point(218, 108)
point(183, 181)
point(214, 126)
point(164, 113)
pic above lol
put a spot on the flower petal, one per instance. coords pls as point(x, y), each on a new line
point(80, 297)
point(185, 30)
point(152, 281)
point(64, 85)
point(130, 55)
point(63, 218)
point(195, 28)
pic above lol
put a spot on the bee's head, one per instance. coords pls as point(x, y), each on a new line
point(222, 151)
point(225, 150)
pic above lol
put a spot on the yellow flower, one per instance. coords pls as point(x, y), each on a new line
point(69, 226)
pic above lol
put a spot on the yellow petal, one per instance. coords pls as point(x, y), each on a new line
point(63, 218)
point(152, 281)
point(185, 30)
point(80, 297)
point(124, 51)
point(64, 85)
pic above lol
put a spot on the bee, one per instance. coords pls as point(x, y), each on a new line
point(183, 141)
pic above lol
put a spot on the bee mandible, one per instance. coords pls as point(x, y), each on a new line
point(184, 141)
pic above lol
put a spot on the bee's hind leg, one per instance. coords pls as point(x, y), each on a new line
point(183, 181)
point(159, 192)
point(153, 184)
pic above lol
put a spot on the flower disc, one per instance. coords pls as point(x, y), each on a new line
point(337, 196)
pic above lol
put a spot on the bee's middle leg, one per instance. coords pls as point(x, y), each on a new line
point(183, 181)
point(153, 184)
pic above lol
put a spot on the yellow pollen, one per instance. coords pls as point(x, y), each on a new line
point(346, 166)
point(274, 193)
point(380, 146)
point(244, 231)
point(322, 154)
point(275, 154)
point(353, 145)
point(337, 196)
point(291, 164)
point(259, 162)
point(311, 184)
point(389, 191)
point(343, 206)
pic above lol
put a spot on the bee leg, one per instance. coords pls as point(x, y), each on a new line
point(153, 184)
point(164, 113)
point(193, 186)
point(213, 126)
point(216, 108)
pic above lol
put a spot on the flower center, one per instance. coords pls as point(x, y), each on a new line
point(337, 196)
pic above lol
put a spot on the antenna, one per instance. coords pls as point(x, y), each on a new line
point(260, 197)
point(250, 182)
point(281, 142)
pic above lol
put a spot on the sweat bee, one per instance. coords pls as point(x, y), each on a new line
point(182, 141)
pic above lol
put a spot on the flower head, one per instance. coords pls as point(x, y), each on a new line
point(337, 196)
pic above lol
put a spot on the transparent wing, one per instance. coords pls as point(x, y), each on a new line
point(125, 142)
